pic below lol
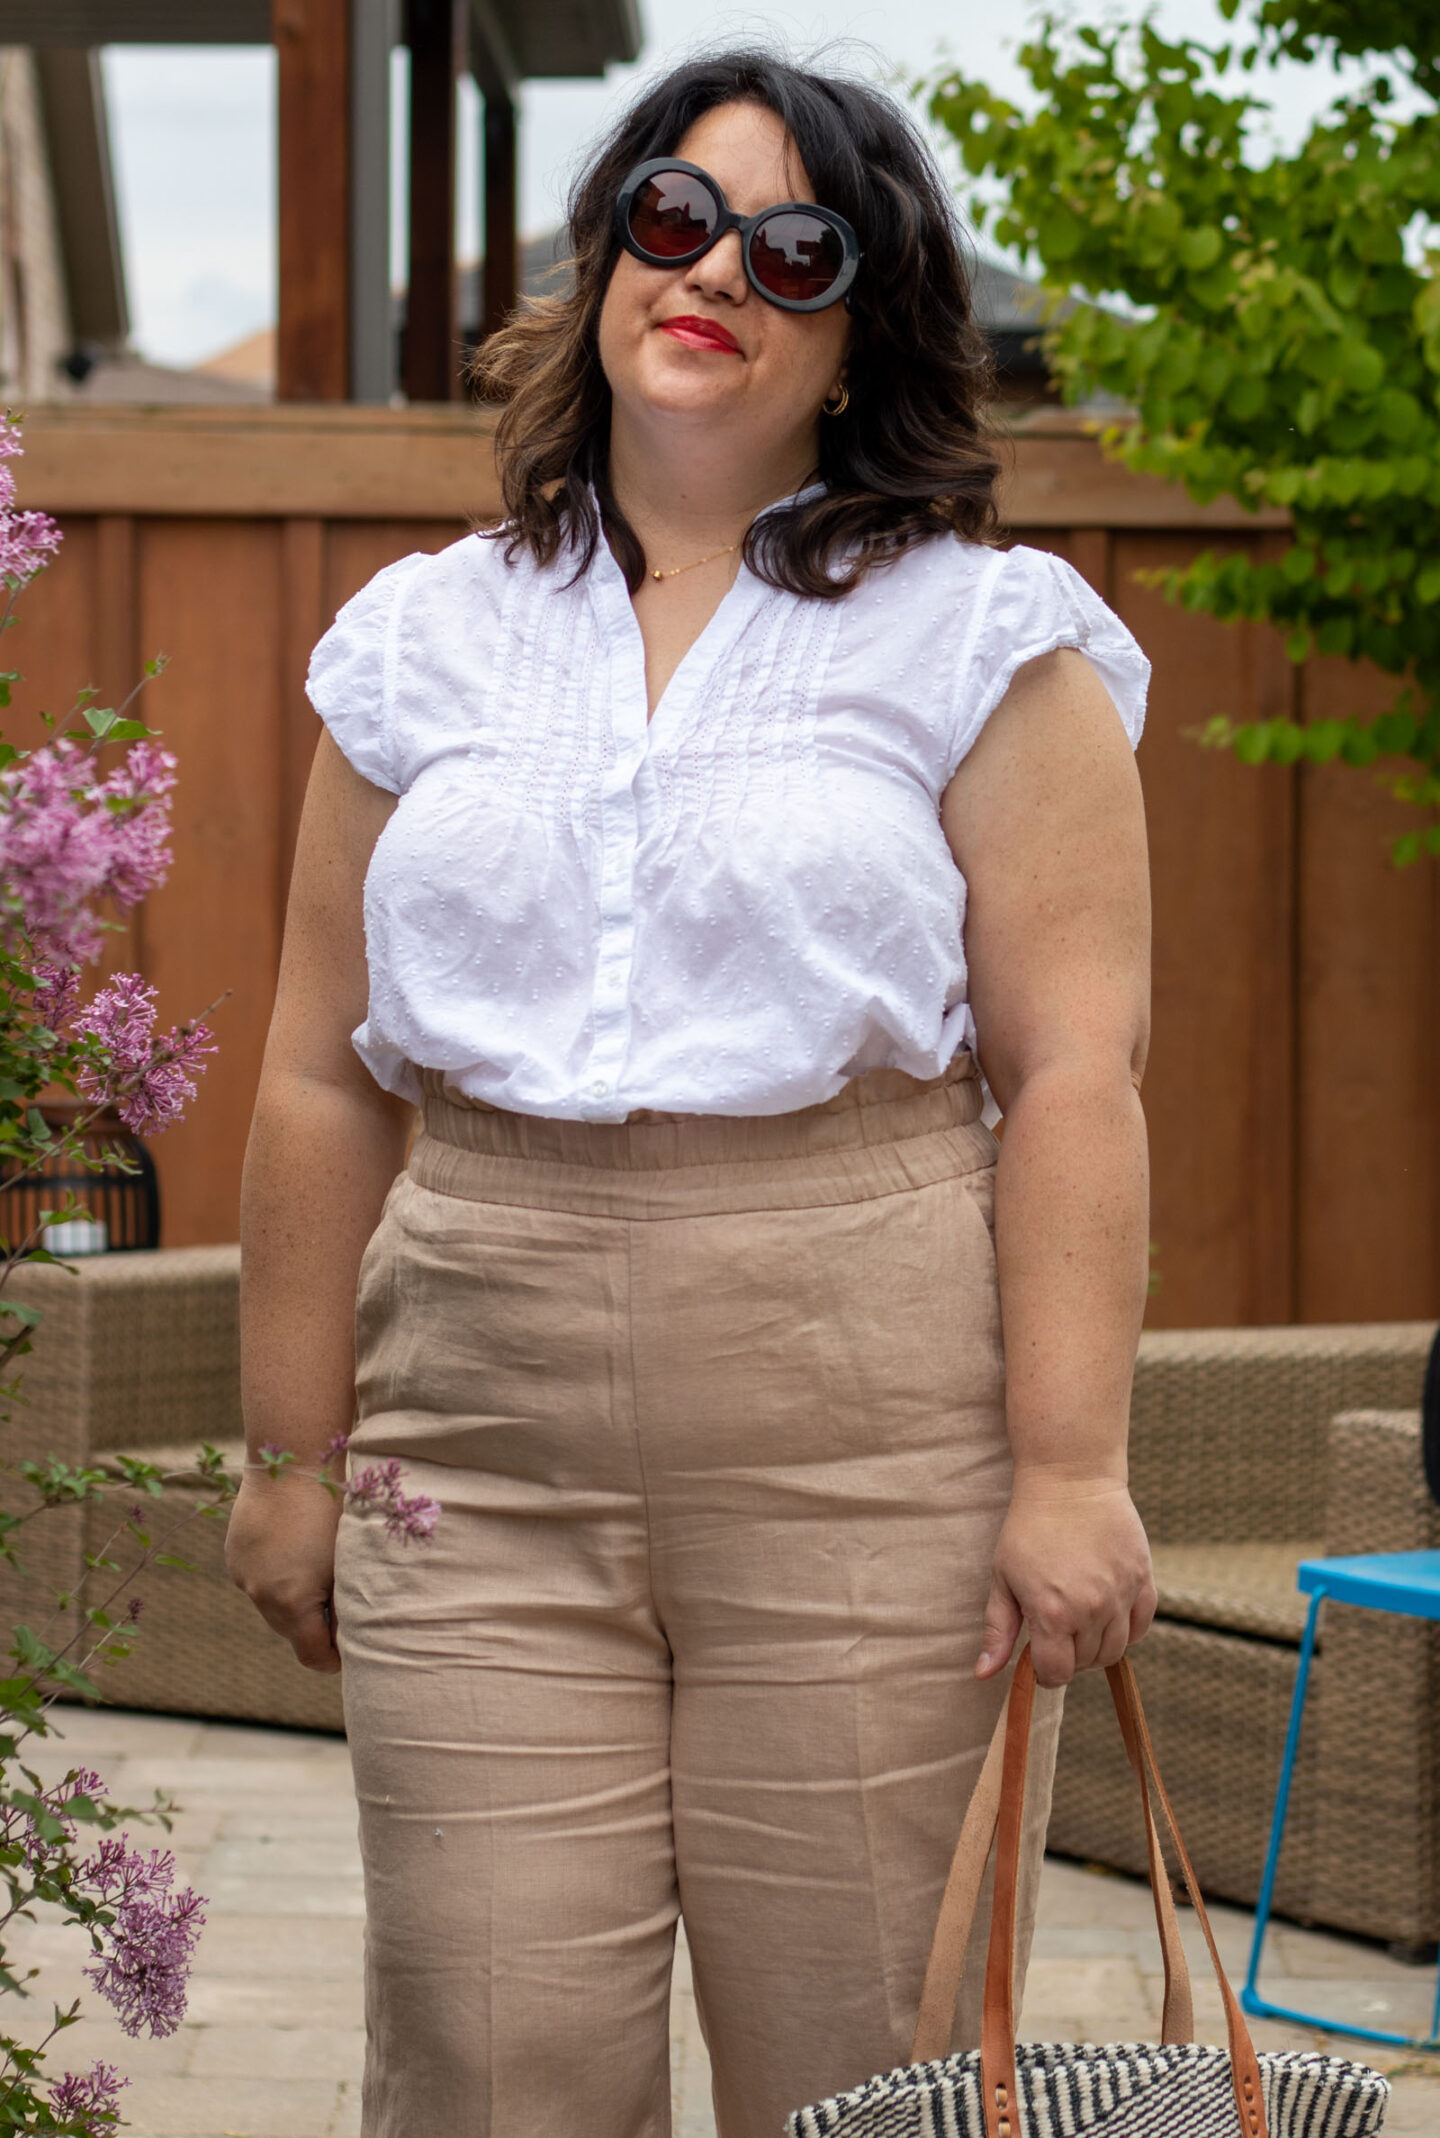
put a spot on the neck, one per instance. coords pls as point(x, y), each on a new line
point(688, 495)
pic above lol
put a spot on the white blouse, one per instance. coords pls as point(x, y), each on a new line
point(730, 910)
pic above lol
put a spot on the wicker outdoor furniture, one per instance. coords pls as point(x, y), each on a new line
point(1250, 1452)
point(139, 1354)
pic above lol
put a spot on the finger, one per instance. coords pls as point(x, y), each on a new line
point(1088, 1638)
point(1113, 1644)
point(1002, 1630)
point(311, 1640)
point(1054, 1655)
point(304, 1626)
point(1142, 1613)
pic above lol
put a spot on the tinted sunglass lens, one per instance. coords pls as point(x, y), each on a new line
point(797, 256)
point(672, 215)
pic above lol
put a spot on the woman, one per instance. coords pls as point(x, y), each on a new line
point(667, 805)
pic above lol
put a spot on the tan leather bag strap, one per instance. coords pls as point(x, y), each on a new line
point(945, 1969)
point(1244, 2066)
point(997, 2039)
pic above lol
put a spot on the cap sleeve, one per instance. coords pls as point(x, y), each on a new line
point(351, 678)
point(1033, 604)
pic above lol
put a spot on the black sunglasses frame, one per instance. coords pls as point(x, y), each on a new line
point(727, 220)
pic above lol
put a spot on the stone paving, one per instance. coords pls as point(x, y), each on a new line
point(273, 2043)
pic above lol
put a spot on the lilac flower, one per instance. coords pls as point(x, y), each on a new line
point(143, 1965)
point(146, 1078)
point(80, 1782)
point(409, 1518)
point(54, 851)
point(335, 1447)
point(18, 1826)
point(28, 540)
point(57, 993)
point(68, 839)
point(88, 2101)
point(137, 797)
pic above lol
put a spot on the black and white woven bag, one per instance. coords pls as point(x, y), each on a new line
point(1171, 2089)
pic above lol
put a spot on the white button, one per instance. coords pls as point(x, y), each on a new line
point(599, 1089)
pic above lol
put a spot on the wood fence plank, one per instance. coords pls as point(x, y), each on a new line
point(210, 595)
point(1276, 1068)
point(119, 667)
point(1215, 1098)
point(354, 553)
point(1370, 1119)
point(302, 619)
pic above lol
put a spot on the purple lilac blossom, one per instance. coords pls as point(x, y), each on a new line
point(409, 1518)
point(67, 839)
point(17, 1825)
point(146, 1078)
point(57, 993)
point(143, 1964)
point(28, 540)
point(89, 2101)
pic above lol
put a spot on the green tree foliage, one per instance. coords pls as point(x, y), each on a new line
point(1407, 31)
point(1280, 336)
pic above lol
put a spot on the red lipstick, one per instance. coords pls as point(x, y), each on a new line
point(701, 333)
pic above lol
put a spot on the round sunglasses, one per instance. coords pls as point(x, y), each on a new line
point(797, 256)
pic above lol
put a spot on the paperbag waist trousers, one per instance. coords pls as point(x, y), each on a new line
point(714, 1411)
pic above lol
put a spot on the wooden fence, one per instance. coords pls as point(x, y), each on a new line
point(1294, 1090)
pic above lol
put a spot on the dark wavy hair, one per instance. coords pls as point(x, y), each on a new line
point(908, 460)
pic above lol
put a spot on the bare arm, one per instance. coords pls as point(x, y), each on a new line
point(325, 1144)
point(1045, 820)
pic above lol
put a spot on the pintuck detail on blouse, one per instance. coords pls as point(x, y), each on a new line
point(732, 909)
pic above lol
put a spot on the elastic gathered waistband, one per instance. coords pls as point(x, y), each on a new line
point(883, 1133)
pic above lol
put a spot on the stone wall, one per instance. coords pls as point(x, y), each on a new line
point(35, 327)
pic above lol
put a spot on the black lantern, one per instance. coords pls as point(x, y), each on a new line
point(122, 1208)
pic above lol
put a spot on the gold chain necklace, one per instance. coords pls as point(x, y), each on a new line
point(676, 570)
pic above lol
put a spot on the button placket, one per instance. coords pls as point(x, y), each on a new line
point(601, 1085)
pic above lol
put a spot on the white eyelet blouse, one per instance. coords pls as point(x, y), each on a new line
point(730, 910)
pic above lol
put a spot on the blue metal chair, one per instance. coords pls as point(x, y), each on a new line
point(1407, 1583)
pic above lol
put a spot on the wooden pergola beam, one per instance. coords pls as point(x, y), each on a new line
point(313, 46)
point(497, 74)
point(501, 287)
point(430, 358)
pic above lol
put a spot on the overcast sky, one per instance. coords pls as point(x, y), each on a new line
point(195, 146)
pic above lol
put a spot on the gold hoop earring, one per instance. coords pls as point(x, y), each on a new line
point(837, 408)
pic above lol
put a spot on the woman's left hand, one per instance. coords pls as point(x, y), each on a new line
point(1073, 1564)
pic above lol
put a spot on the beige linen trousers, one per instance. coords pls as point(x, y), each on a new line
point(714, 1410)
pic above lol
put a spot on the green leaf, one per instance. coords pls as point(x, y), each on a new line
point(1399, 414)
point(1246, 398)
point(1199, 248)
point(1323, 740)
point(1215, 289)
point(1359, 366)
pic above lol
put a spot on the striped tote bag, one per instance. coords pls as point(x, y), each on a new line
point(1173, 2088)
